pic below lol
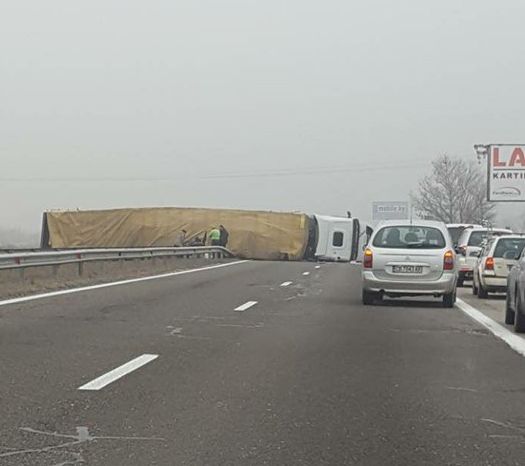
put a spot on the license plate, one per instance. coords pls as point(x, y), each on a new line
point(407, 269)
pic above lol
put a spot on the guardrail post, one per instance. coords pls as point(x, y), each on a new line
point(80, 265)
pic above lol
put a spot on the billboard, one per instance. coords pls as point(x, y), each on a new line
point(506, 173)
point(390, 210)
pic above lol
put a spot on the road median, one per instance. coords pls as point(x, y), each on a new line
point(27, 280)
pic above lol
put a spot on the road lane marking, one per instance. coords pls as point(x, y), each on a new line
point(462, 389)
point(245, 306)
point(317, 266)
point(285, 284)
point(51, 294)
point(514, 341)
point(241, 326)
point(119, 372)
point(306, 274)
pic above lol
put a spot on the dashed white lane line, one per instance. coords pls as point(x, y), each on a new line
point(514, 341)
point(285, 284)
point(117, 283)
point(317, 266)
point(245, 306)
point(306, 274)
point(119, 372)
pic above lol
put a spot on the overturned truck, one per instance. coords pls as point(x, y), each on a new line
point(253, 234)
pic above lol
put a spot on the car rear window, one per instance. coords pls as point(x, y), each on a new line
point(477, 237)
point(409, 237)
point(455, 233)
point(509, 248)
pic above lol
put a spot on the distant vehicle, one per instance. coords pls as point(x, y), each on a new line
point(410, 259)
point(469, 245)
point(456, 229)
point(495, 261)
point(515, 305)
point(340, 239)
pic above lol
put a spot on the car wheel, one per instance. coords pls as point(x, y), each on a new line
point(368, 297)
point(509, 313)
point(474, 288)
point(449, 299)
point(519, 318)
point(482, 292)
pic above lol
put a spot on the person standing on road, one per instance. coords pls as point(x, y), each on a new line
point(215, 237)
point(224, 235)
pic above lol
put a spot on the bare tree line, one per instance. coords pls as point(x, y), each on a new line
point(454, 192)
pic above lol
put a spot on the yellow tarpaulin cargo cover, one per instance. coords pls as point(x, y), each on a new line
point(253, 234)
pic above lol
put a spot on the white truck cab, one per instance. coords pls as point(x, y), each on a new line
point(334, 238)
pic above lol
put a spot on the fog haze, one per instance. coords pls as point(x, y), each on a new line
point(297, 105)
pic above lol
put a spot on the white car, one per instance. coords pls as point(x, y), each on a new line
point(410, 259)
point(469, 246)
point(495, 261)
point(456, 229)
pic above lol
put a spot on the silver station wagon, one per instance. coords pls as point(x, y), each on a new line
point(410, 259)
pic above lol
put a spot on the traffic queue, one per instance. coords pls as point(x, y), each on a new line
point(427, 258)
point(493, 259)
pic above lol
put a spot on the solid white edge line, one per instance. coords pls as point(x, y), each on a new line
point(50, 294)
point(285, 284)
point(516, 342)
point(119, 372)
point(245, 306)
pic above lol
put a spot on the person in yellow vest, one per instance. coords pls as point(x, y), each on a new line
point(215, 237)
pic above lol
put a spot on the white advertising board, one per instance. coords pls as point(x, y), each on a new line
point(506, 173)
point(389, 210)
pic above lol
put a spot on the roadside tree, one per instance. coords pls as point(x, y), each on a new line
point(454, 192)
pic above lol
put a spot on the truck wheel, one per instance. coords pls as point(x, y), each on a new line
point(449, 299)
point(509, 313)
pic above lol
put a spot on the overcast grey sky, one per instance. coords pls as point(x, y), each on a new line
point(107, 103)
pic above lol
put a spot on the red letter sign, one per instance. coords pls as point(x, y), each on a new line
point(495, 158)
point(517, 157)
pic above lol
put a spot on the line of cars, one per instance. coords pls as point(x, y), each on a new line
point(496, 265)
point(469, 240)
point(415, 258)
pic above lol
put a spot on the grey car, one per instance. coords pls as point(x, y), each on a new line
point(515, 306)
point(410, 259)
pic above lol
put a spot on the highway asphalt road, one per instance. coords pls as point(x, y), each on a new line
point(301, 374)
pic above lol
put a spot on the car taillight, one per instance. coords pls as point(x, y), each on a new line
point(368, 260)
point(448, 261)
point(489, 263)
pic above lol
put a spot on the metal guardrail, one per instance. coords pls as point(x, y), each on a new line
point(23, 259)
